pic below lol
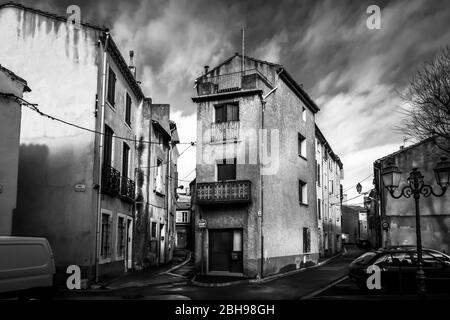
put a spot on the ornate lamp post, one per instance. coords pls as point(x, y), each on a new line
point(416, 187)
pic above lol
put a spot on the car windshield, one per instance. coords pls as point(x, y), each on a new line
point(439, 255)
point(365, 258)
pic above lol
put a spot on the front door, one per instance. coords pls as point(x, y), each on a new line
point(225, 250)
point(181, 240)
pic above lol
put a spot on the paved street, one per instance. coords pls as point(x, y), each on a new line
point(175, 285)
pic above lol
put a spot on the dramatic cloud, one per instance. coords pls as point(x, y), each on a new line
point(353, 73)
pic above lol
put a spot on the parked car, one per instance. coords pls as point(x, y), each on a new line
point(27, 268)
point(399, 266)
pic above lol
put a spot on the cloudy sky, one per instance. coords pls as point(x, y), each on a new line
point(354, 74)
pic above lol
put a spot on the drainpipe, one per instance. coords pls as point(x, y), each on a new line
point(100, 158)
point(261, 179)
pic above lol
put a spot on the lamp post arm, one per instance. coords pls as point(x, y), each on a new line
point(427, 190)
point(406, 192)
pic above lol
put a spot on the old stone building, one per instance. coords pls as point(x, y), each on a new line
point(329, 171)
point(397, 216)
point(77, 186)
point(12, 88)
point(256, 170)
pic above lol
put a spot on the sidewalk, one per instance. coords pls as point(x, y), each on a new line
point(166, 274)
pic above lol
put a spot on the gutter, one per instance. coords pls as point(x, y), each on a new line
point(100, 157)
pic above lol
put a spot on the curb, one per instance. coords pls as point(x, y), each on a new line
point(263, 280)
point(186, 261)
point(328, 286)
point(104, 287)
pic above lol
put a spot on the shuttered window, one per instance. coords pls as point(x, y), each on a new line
point(227, 112)
point(111, 86)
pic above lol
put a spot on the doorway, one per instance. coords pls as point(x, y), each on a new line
point(128, 258)
point(225, 250)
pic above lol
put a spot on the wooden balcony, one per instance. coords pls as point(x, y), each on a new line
point(225, 131)
point(225, 192)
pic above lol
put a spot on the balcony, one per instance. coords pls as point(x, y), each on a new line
point(127, 189)
point(229, 82)
point(110, 180)
point(224, 131)
point(225, 192)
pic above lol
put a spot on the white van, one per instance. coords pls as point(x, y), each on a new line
point(27, 267)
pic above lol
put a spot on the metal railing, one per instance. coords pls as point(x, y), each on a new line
point(110, 180)
point(229, 82)
point(224, 131)
point(127, 190)
point(224, 192)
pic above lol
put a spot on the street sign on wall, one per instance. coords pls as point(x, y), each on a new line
point(202, 224)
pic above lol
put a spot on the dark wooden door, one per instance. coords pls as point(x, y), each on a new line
point(225, 250)
point(220, 246)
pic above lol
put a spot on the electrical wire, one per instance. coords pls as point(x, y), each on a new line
point(33, 106)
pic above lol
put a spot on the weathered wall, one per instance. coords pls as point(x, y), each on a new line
point(434, 212)
point(60, 64)
point(10, 114)
point(284, 216)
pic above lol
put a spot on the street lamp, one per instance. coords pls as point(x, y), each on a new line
point(416, 187)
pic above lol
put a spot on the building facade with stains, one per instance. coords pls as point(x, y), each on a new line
point(12, 88)
point(76, 184)
point(255, 193)
point(397, 216)
point(330, 171)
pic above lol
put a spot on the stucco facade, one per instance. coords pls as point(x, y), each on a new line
point(12, 87)
point(330, 171)
point(398, 215)
point(272, 222)
point(77, 186)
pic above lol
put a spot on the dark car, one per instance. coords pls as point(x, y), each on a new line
point(398, 267)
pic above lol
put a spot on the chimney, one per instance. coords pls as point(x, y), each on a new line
point(131, 66)
point(206, 69)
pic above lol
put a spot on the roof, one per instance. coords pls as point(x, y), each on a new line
point(406, 149)
point(322, 139)
point(112, 48)
point(47, 14)
point(15, 77)
point(284, 75)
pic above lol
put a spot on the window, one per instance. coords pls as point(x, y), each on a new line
point(237, 240)
point(227, 112)
point(107, 145)
point(128, 109)
point(303, 192)
point(121, 236)
point(153, 234)
point(331, 186)
point(318, 174)
point(304, 114)
point(226, 170)
point(306, 240)
point(125, 160)
point(183, 216)
point(301, 146)
point(319, 207)
point(105, 250)
point(111, 86)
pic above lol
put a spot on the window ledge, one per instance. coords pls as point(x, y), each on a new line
point(303, 204)
point(111, 106)
point(304, 158)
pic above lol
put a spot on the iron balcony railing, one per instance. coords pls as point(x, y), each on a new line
point(227, 82)
point(224, 192)
point(223, 131)
point(110, 180)
point(127, 189)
